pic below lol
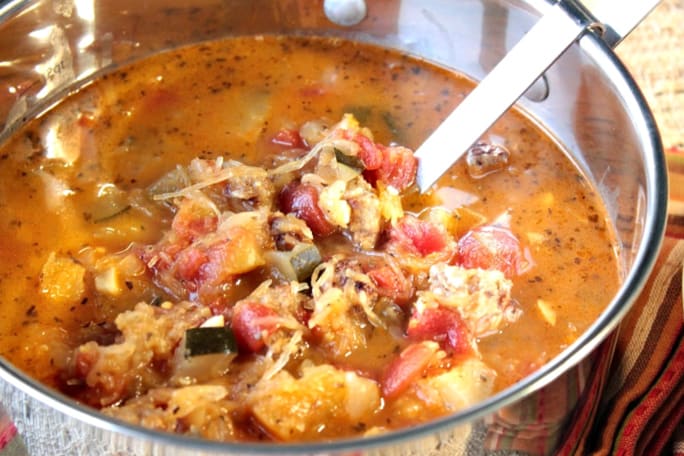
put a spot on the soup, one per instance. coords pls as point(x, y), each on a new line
point(225, 240)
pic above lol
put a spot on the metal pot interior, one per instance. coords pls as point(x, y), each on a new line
point(587, 101)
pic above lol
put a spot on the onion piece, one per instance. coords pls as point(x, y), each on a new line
point(173, 181)
point(289, 350)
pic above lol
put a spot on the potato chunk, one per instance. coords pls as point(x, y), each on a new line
point(323, 402)
point(460, 387)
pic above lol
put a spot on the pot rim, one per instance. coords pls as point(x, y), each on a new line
point(656, 191)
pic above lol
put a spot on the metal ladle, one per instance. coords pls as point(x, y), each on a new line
point(563, 24)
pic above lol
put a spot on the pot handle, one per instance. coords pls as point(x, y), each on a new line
point(616, 18)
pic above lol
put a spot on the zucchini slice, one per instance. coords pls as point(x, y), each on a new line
point(297, 264)
point(208, 340)
point(351, 161)
point(304, 258)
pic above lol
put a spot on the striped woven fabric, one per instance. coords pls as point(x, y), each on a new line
point(643, 402)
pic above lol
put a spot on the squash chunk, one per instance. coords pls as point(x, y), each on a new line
point(62, 279)
point(323, 401)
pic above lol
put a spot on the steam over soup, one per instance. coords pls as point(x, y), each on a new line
point(226, 240)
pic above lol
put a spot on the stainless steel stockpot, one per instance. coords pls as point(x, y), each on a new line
point(587, 101)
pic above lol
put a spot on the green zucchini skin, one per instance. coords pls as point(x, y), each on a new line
point(304, 259)
point(209, 340)
point(349, 160)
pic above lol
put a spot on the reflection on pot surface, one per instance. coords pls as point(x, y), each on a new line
point(224, 240)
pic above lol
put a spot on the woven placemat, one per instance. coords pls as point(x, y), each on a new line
point(654, 54)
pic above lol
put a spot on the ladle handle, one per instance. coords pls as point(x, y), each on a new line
point(618, 17)
point(558, 29)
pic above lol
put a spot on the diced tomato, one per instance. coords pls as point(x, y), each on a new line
point(406, 368)
point(106, 391)
point(398, 168)
point(491, 247)
point(442, 325)
point(84, 362)
point(251, 322)
point(189, 223)
point(394, 165)
point(218, 265)
point(392, 283)
point(171, 250)
point(159, 258)
point(370, 153)
point(189, 262)
point(419, 236)
point(302, 201)
point(289, 138)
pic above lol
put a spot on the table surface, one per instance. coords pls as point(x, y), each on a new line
point(654, 54)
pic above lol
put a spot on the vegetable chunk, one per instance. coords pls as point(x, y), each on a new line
point(483, 298)
point(491, 247)
point(201, 409)
point(314, 405)
point(149, 337)
point(62, 279)
point(462, 386)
